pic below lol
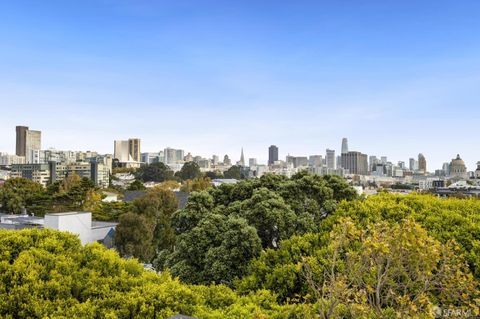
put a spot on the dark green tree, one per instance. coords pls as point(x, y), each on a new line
point(18, 194)
point(214, 174)
point(158, 205)
point(155, 172)
point(136, 186)
point(215, 250)
point(189, 170)
point(270, 215)
point(134, 236)
point(233, 172)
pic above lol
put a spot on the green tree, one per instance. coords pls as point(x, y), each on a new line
point(270, 215)
point(189, 170)
point(215, 250)
point(277, 207)
point(18, 194)
point(196, 185)
point(214, 174)
point(155, 172)
point(158, 205)
point(444, 219)
point(136, 186)
point(46, 273)
point(134, 236)
point(387, 270)
point(233, 172)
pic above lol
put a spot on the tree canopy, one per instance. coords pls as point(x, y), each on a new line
point(189, 170)
point(154, 172)
point(49, 274)
point(275, 207)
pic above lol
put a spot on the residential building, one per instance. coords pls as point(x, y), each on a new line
point(53, 171)
point(7, 160)
point(173, 156)
point(39, 173)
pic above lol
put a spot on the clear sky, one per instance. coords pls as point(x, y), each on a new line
point(395, 77)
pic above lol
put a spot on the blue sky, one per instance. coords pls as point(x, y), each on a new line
point(395, 77)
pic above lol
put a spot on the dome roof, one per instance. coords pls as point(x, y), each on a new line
point(458, 161)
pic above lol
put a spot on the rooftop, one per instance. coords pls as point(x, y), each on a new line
point(68, 213)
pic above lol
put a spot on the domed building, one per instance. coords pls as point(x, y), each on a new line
point(458, 170)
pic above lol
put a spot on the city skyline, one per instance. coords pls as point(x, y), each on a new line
point(211, 80)
point(129, 151)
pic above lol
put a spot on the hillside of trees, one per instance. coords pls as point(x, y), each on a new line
point(273, 247)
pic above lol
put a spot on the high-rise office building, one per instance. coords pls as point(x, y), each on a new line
point(372, 162)
point(179, 154)
point(134, 149)
point(21, 140)
point(344, 145)
point(252, 162)
point(272, 154)
point(422, 163)
point(27, 142)
point(121, 152)
point(127, 151)
point(315, 160)
point(355, 162)
point(412, 164)
point(330, 158)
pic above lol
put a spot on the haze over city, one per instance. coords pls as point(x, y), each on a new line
point(212, 78)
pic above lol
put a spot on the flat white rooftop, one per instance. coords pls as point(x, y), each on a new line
point(68, 213)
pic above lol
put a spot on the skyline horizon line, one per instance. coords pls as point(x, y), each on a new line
point(242, 147)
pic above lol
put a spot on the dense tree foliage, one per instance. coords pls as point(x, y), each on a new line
point(148, 227)
point(189, 170)
point(300, 247)
point(48, 274)
point(445, 219)
point(275, 207)
point(233, 172)
point(384, 256)
point(213, 250)
point(214, 174)
point(196, 185)
point(19, 195)
point(136, 185)
point(155, 172)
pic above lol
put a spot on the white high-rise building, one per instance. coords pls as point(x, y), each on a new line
point(121, 151)
point(330, 158)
